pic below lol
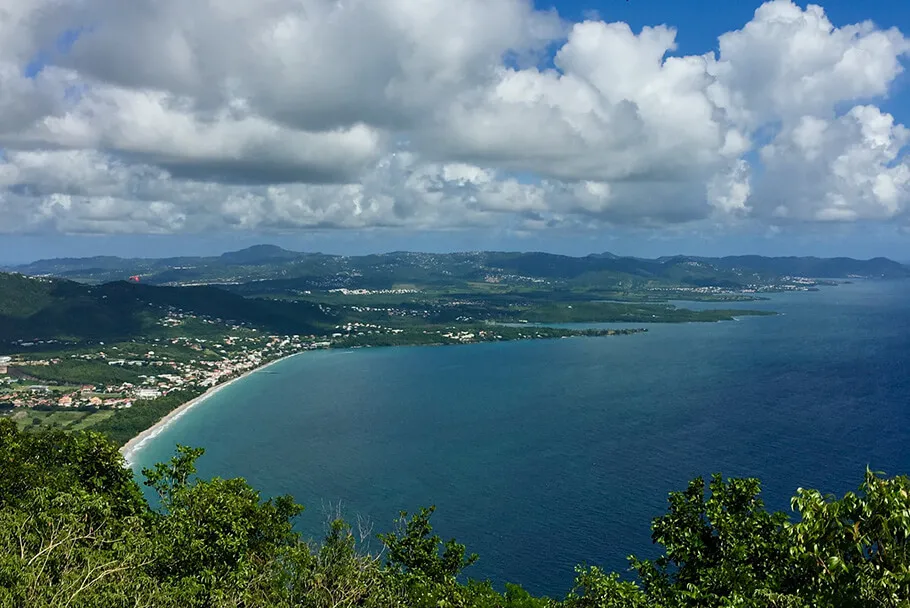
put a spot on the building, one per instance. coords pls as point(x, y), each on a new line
point(148, 393)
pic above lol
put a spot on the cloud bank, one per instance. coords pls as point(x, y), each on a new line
point(167, 116)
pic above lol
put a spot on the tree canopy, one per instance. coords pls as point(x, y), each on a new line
point(76, 531)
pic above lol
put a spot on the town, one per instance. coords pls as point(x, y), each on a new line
point(79, 387)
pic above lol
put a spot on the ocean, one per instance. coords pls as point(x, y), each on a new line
point(541, 455)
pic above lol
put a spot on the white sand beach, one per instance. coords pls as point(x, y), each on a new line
point(136, 443)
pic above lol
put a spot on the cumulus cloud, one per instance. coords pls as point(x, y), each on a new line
point(168, 116)
point(613, 108)
point(788, 62)
point(843, 169)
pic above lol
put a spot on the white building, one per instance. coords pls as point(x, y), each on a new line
point(148, 393)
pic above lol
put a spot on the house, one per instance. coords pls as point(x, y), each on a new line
point(148, 393)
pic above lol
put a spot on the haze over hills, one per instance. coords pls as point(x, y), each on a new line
point(269, 262)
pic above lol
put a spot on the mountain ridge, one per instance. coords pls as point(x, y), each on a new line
point(270, 262)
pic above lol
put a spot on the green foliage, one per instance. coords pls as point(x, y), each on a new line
point(42, 309)
point(415, 550)
point(716, 548)
point(76, 531)
point(22, 296)
point(53, 462)
point(855, 551)
point(596, 589)
point(76, 371)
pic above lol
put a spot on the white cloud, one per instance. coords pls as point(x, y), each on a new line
point(262, 115)
point(845, 169)
point(788, 62)
point(225, 145)
point(85, 191)
point(612, 110)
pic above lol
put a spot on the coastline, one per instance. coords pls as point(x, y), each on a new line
point(129, 449)
point(136, 443)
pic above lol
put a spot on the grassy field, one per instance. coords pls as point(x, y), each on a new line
point(73, 421)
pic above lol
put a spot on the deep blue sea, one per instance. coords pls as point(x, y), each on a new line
point(546, 454)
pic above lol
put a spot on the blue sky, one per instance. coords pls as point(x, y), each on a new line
point(130, 167)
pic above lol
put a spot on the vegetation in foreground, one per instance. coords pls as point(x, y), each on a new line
point(75, 530)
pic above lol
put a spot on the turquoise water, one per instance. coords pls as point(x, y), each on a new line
point(542, 455)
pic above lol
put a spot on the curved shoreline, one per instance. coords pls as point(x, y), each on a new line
point(136, 443)
point(129, 449)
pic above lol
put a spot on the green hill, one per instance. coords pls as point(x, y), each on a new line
point(54, 309)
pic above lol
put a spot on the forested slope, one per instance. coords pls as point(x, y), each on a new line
point(41, 309)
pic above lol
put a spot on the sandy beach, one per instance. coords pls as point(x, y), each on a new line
point(136, 443)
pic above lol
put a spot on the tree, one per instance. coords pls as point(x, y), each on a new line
point(77, 532)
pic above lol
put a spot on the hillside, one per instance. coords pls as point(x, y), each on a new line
point(55, 309)
point(315, 271)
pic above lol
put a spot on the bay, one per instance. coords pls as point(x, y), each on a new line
point(541, 455)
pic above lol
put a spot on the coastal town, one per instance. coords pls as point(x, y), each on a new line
point(104, 378)
point(156, 374)
point(155, 367)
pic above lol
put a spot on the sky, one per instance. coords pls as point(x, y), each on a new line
point(641, 127)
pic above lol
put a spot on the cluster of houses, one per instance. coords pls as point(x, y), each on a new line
point(161, 375)
point(785, 284)
point(49, 396)
point(357, 328)
point(370, 292)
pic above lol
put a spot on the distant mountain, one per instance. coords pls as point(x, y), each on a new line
point(290, 269)
point(258, 254)
point(813, 267)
